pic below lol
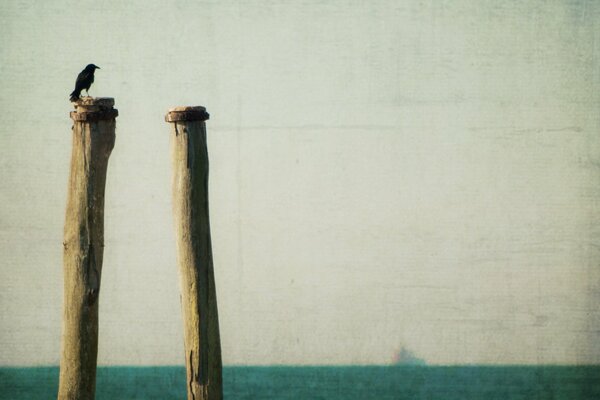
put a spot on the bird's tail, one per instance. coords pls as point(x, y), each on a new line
point(74, 96)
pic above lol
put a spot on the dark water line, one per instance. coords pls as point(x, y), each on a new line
point(326, 382)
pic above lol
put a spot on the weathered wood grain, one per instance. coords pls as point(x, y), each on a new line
point(93, 141)
point(194, 254)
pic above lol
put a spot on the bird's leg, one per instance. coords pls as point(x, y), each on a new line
point(86, 93)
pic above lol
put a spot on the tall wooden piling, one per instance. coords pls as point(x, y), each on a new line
point(93, 141)
point(194, 253)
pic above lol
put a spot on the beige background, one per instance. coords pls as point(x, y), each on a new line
point(419, 174)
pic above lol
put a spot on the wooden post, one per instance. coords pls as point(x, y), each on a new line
point(194, 253)
point(93, 141)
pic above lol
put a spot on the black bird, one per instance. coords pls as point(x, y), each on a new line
point(84, 81)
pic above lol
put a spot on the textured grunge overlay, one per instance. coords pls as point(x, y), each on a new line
point(412, 182)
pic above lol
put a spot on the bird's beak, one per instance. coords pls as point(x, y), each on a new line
point(97, 67)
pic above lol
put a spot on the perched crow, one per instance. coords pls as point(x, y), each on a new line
point(84, 81)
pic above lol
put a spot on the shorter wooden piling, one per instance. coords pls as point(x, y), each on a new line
point(194, 253)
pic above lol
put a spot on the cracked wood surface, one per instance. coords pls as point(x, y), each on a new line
point(83, 249)
point(194, 256)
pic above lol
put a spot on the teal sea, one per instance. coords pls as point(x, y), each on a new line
point(331, 383)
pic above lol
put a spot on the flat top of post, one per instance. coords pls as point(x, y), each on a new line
point(90, 109)
point(106, 102)
point(187, 108)
point(187, 113)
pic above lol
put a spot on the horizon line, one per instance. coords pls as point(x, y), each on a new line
point(318, 365)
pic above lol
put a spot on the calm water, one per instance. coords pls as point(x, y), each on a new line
point(373, 382)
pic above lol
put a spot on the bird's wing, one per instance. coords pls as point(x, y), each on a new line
point(82, 78)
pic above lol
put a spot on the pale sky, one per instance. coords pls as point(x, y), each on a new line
point(418, 174)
